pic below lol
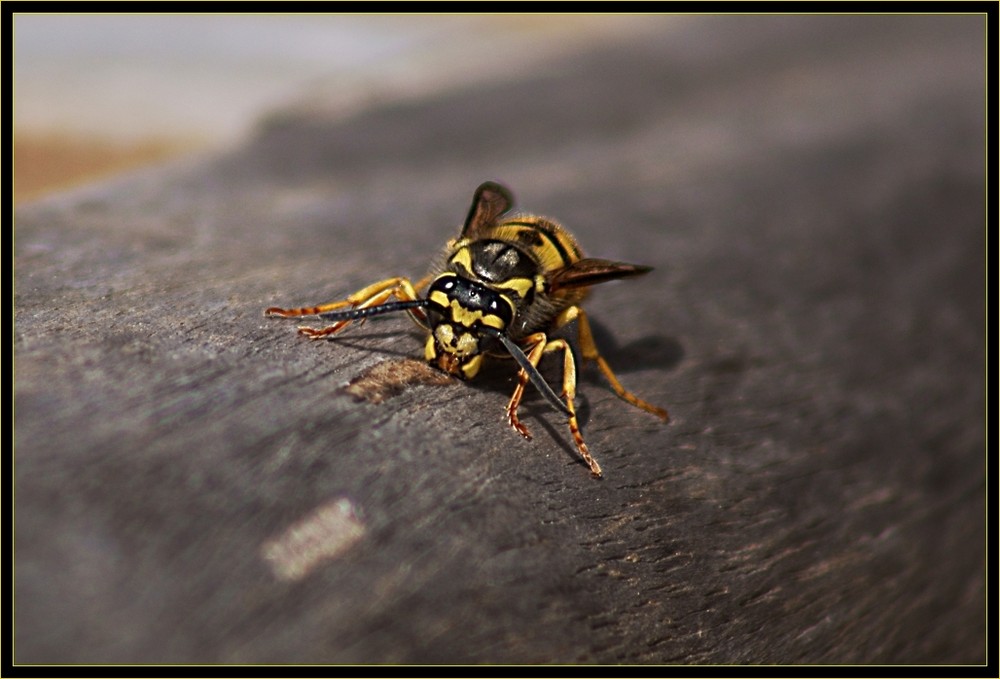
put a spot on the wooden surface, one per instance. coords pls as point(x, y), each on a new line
point(194, 484)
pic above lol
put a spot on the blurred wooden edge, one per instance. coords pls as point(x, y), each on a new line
point(46, 163)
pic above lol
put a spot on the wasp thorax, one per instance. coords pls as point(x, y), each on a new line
point(497, 261)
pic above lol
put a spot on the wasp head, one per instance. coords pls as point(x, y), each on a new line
point(460, 312)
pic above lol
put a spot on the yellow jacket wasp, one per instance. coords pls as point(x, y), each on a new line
point(503, 284)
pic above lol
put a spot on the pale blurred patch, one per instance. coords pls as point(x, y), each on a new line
point(99, 94)
point(323, 535)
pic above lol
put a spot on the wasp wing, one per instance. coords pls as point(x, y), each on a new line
point(490, 201)
point(590, 271)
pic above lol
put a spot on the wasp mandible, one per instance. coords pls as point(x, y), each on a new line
point(500, 288)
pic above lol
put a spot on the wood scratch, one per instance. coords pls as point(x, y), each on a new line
point(389, 378)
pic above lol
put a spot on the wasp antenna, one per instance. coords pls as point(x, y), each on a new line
point(365, 312)
point(532, 372)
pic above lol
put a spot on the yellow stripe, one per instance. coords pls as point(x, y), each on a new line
point(439, 297)
point(471, 367)
point(460, 314)
point(464, 258)
point(519, 285)
point(493, 321)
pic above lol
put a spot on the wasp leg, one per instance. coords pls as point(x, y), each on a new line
point(373, 295)
point(401, 288)
point(534, 355)
point(542, 345)
point(590, 353)
point(358, 297)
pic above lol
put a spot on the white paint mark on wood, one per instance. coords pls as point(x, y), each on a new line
point(321, 536)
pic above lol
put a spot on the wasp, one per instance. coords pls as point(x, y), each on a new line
point(500, 289)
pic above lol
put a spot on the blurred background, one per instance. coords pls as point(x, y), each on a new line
point(809, 188)
point(99, 94)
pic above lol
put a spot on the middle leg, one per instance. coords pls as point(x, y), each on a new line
point(543, 345)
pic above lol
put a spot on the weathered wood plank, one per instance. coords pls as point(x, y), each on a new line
point(193, 485)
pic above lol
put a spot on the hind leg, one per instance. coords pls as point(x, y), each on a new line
point(590, 353)
point(543, 345)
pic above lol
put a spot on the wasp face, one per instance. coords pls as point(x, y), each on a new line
point(458, 310)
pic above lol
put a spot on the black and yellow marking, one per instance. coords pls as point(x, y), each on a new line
point(548, 242)
point(459, 310)
point(503, 287)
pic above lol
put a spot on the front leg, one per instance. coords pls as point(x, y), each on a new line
point(373, 295)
